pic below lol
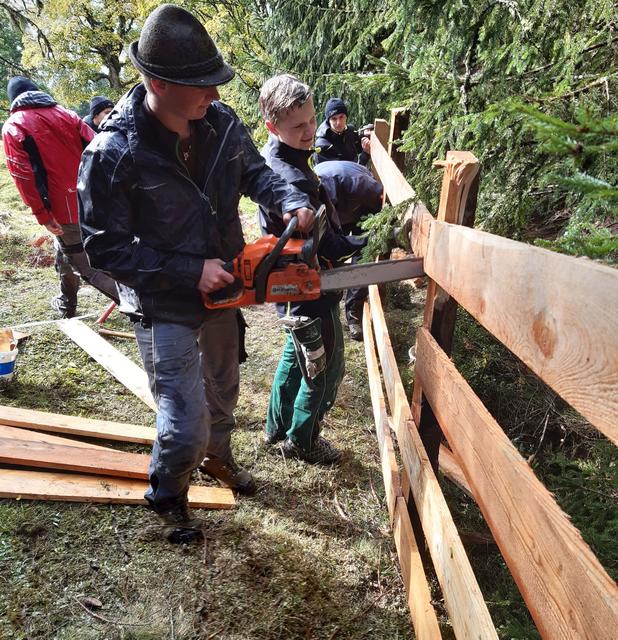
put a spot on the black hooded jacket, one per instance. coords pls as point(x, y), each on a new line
point(338, 146)
point(293, 165)
point(150, 224)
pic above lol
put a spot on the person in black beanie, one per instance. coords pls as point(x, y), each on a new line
point(100, 107)
point(338, 140)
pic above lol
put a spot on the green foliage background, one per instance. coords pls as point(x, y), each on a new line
point(529, 86)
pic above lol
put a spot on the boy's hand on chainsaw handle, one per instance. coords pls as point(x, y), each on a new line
point(305, 217)
point(214, 276)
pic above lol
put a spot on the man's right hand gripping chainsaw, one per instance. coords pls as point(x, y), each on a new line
point(286, 269)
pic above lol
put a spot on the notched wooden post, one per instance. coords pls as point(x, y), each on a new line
point(458, 206)
point(400, 119)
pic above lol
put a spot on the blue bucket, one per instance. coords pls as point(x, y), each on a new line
point(7, 363)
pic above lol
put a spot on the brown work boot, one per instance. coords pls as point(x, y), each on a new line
point(229, 474)
point(180, 527)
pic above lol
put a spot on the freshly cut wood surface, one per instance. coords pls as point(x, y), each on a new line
point(569, 594)
point(132, 376)
point(462, 595)
point(75, 425)
point(422, 612)
point(65, 487)
point(27, 435)
point(417, 220)
point(105, 462)
point(555, 312)
point(397, 188)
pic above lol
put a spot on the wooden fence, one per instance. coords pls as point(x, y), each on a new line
point(558, 315)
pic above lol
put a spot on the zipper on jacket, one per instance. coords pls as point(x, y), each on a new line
point(214, 164)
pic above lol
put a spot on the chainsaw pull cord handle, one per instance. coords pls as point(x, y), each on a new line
point(265, 267)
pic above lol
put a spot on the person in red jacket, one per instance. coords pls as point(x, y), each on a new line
point(43, 144)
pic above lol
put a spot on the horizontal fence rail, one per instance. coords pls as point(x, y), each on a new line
point(558, 314)
point(462, 595)
point(567, 591)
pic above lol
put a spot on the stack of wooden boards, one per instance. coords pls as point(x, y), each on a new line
point(79, 471)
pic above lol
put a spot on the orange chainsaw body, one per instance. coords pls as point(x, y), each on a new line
point(290, 280)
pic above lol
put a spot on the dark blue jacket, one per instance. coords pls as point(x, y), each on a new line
point(150, 224)
point(338, 146)
point(293, 165)
point(352, 189)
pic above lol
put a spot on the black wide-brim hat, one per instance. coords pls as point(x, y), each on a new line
point(175, 46)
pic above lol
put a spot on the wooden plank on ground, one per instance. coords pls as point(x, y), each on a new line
point(34, 436)
point(132, 376)
point(65, 487)
point(555, 312)
point(569, 594)
point(462, 595)
point(422, 612)
point(396, 187)
point(76, 425)
point(102, 461)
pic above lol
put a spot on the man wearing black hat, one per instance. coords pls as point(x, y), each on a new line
point(159, 189)
point(100, 107)
point(43, 143)
point(337, 140)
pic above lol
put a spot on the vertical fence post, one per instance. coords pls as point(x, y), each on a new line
point(457, 205)
point(380, 130)
point(400, 119)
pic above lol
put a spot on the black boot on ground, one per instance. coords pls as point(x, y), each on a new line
point(271, 439)
point(180, 527)
point(229, 474)
point(321, 452)
point(62, 307)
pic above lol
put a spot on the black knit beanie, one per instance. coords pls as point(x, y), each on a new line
point(334, 107)
point(98, 103)
point(19, 85)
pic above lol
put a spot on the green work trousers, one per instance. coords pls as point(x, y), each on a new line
point(295, 409)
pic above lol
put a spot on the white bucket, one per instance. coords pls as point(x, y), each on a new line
point(7, 363)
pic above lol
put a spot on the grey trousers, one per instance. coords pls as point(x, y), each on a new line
point(194, 378)
point(71, 260)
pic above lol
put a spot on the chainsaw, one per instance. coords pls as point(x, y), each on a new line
point(286, 269)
